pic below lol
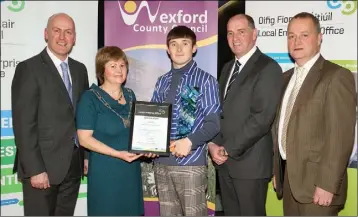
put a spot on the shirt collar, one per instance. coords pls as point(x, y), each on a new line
point(308, 65)
point(54, 59)
point(247, 56)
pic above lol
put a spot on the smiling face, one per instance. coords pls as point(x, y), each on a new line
point(181, 51)
point(303, 40)
point(115, 72)
point(240, 36)
point(60, 35)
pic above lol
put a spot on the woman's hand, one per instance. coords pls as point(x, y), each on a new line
point(126, 156)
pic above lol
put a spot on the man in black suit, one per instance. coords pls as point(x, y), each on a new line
point(250, 89)
point(45, 91)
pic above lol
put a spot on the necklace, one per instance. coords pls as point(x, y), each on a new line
point(125, 120)
point(120, 97)
point(120, 94)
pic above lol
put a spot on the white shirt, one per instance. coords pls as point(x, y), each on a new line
point(58, 62)
point(243, 60)
point(289, 89)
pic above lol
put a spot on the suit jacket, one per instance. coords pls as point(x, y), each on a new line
point(320, 133)
point(44, 117)
point(247, 116)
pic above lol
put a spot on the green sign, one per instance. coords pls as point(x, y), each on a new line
point(8, 151)
point(9, 182)
point(274, 206)
point(348, 64)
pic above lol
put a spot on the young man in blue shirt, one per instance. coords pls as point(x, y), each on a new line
point(181, 178)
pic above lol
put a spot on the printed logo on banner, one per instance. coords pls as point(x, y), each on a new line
point(131, 7)
point(15, 6)
point(349, 7)
point(160, 21)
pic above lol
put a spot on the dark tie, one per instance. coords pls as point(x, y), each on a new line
point(233, 76)
point(66, 79)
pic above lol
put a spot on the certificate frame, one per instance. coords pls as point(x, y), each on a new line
point(157, 116)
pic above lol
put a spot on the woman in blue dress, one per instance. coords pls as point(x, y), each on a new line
point(103, 120)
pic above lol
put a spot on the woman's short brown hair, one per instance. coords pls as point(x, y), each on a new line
point(106, 54)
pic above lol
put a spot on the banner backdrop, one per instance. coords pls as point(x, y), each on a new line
point(22, 36)
point(338, 21)
point(140, 29)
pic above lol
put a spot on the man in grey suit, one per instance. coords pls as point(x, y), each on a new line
point(45, 90)
point(250, 89)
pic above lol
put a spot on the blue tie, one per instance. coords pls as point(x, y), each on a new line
point(66, 79)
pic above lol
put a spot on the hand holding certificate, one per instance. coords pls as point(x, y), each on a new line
point(150, 128)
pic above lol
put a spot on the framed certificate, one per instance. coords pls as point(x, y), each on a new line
point(150, 128)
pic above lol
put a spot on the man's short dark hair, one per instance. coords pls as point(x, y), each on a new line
point(181, 32)
point(305, 15)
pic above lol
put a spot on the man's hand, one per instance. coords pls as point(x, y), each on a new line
point(40, 181)
point(218, 153)
point(181, 147)
point(322, 197)
point(85, 168)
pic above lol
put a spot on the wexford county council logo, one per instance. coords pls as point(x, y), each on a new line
point(160, 22)
point(14, 6)
point(349, 7)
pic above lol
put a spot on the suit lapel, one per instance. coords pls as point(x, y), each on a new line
point(308, 85)
point(75, 80)
point(286, 80)
point(224, 78)
point(53, 70)
point(250, 66)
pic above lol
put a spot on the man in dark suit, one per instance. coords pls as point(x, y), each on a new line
point(314, 127)
point(250, 89)
point(45, 91)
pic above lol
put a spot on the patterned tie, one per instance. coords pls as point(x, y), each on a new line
point(233, 76)
point(291, 101)
point(66, 79)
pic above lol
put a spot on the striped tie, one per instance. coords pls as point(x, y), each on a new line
point(233, 76)
point(291, 101)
